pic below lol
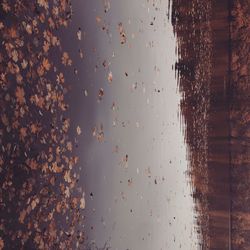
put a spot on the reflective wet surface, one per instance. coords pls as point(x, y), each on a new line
point(137, 188)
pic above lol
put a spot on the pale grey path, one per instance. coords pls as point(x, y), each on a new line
point(155, 210)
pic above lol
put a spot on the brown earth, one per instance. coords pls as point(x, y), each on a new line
point(214, 80)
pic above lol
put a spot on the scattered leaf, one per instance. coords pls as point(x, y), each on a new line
point(79, 34)
point(110, 77)
point(78, 130)
point(20, 95)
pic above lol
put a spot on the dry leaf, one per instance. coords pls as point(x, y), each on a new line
point(12, 32)
point(79, 34)
point(24, 64)
point(23, 133)
point(34, 128)
point(82, 202)
point(28, 28)
point(34, 203)
point(22, 216)
point(66, 60)
point(20, 95)
point(110, 77)
point(43, 3)
point(60, 78)
point(5, 6)
point(81, 53)
point(67, 177)
point(69, 146)
point(121, 30)
point(14, 55)
point(33, 164)
point(101, 93)
point(46, 64)
point(78, 130)
point(55, 168)
point(46, 47)
point(98, 19)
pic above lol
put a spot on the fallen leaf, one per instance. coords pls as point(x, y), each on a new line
point(69, 146)
point(34, 203)
point(24, 64)
point(28, 29)
point(78, 130)
point(14, 55)
point(121, 30)
point(79, 34)
point(60, 78)
point(33, 164)
point(46, 64)
point(46, 47)
point(110, 77)
point(67, 177)
point(100, 93)
point(82, 202)
point(66, 60)
point(23, 133)
point(98, 19)
point(55, 168)
point(22, 216)
point(34, 128)
point(43, 3)
point(5, 6)
point(20, 95)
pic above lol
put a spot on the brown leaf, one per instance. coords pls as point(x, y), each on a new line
point(32, 164)
point(14, 55)
point(46, 47)
point(43, 3)
point(60, 78)
point(100, 93)
point(78, 130)
point(34, 203)
point(69, 146)
point(79, 34)
point(55, 168)
point(82, 202)
point(12, 32)
point(66, 60)
point(28, 29)
point(110, 77)
point(24, 64)
point(46, 64)
point(5, 6)
point(22, 216)
point(34, 128)
point(20, 95)
point(23, 133)
point(67, 177)
point(121, 30)
point(98, 19)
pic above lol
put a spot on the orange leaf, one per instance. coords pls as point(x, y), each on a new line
point(46, 64)
point(20, 95)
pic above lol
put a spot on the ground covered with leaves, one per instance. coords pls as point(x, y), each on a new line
point(41, 201)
